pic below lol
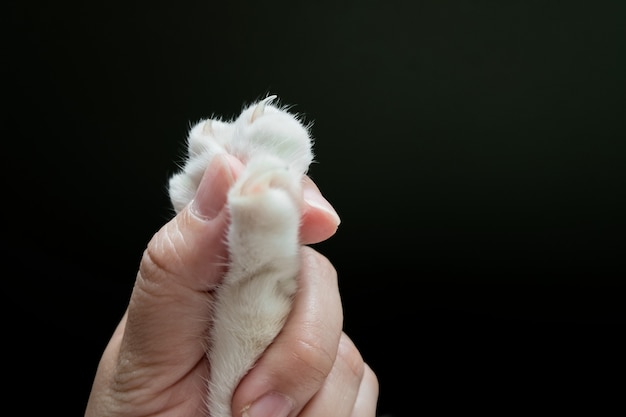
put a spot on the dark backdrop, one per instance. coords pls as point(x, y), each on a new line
point(475, 151)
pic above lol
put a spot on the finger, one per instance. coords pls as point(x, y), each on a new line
point(296, 365)
point(169, 308)
point(338, 395)
point(367, 398)
point(97, 403)
point(319, 218)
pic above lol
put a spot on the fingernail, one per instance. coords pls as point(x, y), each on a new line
point(270, 405)
point(315, 199)
point(211, 194)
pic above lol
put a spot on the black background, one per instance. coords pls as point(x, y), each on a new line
point(475, 151)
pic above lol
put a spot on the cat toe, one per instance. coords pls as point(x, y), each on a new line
point(269, 173)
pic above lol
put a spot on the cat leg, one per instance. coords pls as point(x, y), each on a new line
point(256, 294)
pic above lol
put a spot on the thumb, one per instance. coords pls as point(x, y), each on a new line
point(169, 310)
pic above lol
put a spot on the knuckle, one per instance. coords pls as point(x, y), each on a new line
point(312, 360)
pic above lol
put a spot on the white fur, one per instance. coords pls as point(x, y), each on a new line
point(264, 205)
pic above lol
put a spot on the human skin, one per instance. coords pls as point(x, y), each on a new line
point(155, 362)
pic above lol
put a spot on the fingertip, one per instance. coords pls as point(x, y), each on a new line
point(314, 198)
point(366, 402)
point(319, 219)
point(212, 191)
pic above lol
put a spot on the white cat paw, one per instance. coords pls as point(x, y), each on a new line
point(265, 210)
point(267, 194)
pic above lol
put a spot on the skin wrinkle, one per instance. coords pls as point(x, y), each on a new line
point(149, 289)
point(197, 329)
point(157, 268)
point(160, 396)
point(128, 384)
point(156, 404)
point(153, 266)
point(176, 249)
point(167, 292)
point(314, 357)
point(170, 240)
point(344, 379)
point(131, 369)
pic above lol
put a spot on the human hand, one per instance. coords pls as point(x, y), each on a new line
point(155, 362)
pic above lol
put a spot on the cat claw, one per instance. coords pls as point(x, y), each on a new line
point(207, 128)
point(260, 108)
